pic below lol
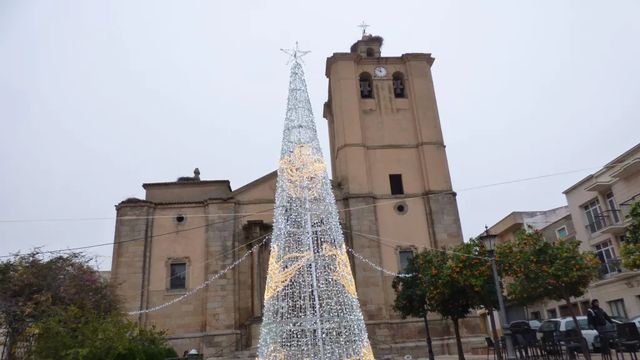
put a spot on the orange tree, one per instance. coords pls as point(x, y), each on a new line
point(630, 251)
point(537, 269)
point(450, 283)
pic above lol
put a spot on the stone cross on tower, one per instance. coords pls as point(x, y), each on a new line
point(364, 27)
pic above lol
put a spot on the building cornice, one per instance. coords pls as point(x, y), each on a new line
point(418, 57)
point(187, 183)
point(346, 196)
point(382, 60)
point(134, 202)
point(390, 146)
point(255, 182)
point(256, 202)
point(618, 277)
point(339, 57)
point(201, 203)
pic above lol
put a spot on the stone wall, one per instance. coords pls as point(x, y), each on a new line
point(129, 263)
point(445, 218)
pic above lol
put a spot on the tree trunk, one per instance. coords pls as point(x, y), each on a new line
point(426, 327)
point(583, 345)
point(8, 346)
point(456, 329)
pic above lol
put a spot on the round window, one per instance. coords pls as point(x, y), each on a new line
point(180, 218)
point(401, 207)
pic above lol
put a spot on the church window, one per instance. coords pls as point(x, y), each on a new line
point(398, 85)
point(395, 182)
point(366, 88)
point(178, 276)
point(371, 52)
point(404, 256)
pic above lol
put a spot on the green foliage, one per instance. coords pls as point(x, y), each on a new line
point(61, 308)
point(30, 286)
point(441, 277)
point(538, 269)
point(75, 334)
point(474, 270)
point(411, 292)
point(630, 251)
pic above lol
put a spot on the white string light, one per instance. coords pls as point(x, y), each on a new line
point(201, 286)
point(377, 267)
point(381, 240)
point(216, 276)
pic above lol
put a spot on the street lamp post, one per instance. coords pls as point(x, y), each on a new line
point(490, 242)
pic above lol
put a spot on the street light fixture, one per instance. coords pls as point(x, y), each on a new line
point(489, 241)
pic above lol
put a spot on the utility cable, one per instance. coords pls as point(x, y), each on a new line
point(242, 214)
point(407, 198)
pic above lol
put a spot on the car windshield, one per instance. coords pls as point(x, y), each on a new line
point(549, 325)
point(570, 325)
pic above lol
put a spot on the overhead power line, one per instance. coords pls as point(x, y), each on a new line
point(232, 216)
point(74, 219)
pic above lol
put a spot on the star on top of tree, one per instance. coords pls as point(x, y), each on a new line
point(295, 54)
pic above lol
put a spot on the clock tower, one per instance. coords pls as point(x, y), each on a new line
point(390, 170)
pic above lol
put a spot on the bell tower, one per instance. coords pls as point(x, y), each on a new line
point(389, 164)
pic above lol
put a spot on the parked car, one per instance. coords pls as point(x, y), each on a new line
point(560, 325)
point(636, 320)
point(524, 324)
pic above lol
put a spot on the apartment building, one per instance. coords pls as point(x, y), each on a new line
point(596, 216)
point(599, 205)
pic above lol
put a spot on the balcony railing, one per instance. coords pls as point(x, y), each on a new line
point(610, 268)
point(609, 222)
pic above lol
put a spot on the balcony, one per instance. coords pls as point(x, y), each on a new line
point(615, 222)
point(610, 268)
point(608, 222)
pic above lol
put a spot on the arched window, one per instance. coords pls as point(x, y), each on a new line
point(366, 86)
point(398, 85)
point(371, 52)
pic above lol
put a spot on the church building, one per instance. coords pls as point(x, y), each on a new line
point(393, 188)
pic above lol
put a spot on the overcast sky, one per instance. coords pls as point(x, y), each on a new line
point(98, 97)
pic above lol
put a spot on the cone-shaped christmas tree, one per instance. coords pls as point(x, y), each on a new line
point(311, 309)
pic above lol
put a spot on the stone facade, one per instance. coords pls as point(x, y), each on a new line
point(191, 221)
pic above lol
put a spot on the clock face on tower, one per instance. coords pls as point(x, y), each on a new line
point(380, 71)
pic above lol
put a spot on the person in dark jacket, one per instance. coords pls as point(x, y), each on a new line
point(596, 317)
